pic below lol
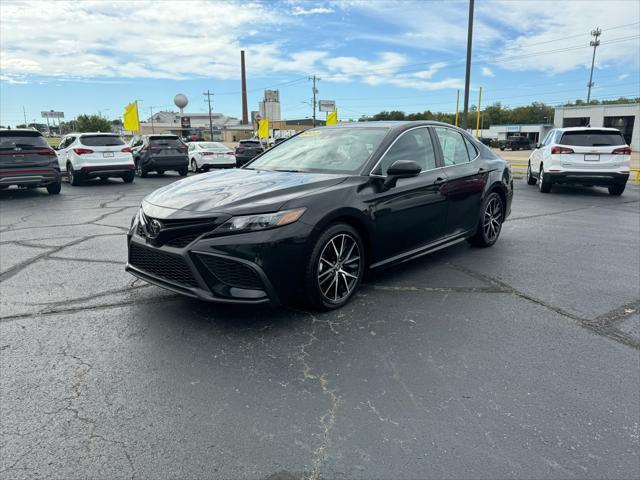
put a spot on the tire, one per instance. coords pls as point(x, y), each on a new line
point(335, 269)
point(72, 176)
point(490, 221)
point(194, 166)
point(160, 172)
point(140, 171)
point(128, 177)
point(531, 180)
point(183, 172)
point(544, 185)
point(616, 190)
point(104, 179)
point(54, 188)
point(502, 149)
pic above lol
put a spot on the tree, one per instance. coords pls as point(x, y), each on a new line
point(92, 123)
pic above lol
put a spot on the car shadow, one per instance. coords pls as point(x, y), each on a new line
point(13, 193)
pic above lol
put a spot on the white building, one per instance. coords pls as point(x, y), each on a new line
point(624, 117)
point(197, 120)
point(270, 106)
point(534, 132)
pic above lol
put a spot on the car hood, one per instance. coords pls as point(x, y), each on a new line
point(238, 190)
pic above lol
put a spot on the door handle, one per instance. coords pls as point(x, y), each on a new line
point(439, 181)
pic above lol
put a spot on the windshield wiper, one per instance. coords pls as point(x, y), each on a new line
point(287, 170)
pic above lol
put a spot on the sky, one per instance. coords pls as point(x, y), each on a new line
point(96, 56)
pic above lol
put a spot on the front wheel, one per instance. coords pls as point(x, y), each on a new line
point(140, 170)
point(490, 222)
point(616, 190)
point(335, 268)
point(194, 166)
point(531, 180)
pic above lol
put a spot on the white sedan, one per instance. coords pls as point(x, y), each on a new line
point(207, 155)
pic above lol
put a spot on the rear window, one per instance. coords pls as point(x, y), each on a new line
point(12, 140)
point(101, 140)
point(249, 143)
point(592, 138)
point(165, 141)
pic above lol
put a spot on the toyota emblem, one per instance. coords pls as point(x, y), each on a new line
point(153, 228)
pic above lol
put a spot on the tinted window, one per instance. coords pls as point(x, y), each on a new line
point(324, 150)
point(592, 138)
point(454, 150)
point(101, 140)
point(471, 149)
point(165, 141)
point(12, 140)
point(250, 143)
point(412, 145)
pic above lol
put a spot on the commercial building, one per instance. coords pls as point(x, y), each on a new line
point(270, 106)
point(533, 132)
point(624, 117)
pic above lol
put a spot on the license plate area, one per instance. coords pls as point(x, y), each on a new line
point(107, 154)
point(591, 157)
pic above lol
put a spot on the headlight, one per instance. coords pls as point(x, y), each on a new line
point(249, 223)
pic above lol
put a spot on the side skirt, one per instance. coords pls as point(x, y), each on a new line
point(424, 250)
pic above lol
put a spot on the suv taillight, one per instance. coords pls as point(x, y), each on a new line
point(82, 151)
point(46, 151)
point(126, 150)
point(622, 151)
point(555, 150)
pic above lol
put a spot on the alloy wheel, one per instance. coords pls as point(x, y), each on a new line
point(492, 219)
point(339, 267)
point(540, 178)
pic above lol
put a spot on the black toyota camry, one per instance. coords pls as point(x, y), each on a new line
point(307, 218)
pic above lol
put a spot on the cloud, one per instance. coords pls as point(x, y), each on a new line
point(623, 76)
point(297, 10)
point(487, 72)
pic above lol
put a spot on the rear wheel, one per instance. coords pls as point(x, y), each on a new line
point(194, 166)
point(335, 268)
point(531, 180)
point(490, 222)
point(72, 175)
point(140, 170)
point(54, 188)
point(544, 185)
point(128, 177)
point(616, 190)
point(160, 172)
point(183, 172)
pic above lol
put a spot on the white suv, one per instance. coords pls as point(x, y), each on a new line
point(95, 155)
point(581, 155)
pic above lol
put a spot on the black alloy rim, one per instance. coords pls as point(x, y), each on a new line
point(339, 267)
point(492, 219)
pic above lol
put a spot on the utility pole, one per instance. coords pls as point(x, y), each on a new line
point(594, 43)
point(467, 76)
point(153, 127)
point(208, 94)
point(24, 112)
point(315, 92)
point(457, 105)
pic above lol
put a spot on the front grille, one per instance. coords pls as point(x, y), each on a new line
point(182, 242)
point(232, 273)
point(160, 264)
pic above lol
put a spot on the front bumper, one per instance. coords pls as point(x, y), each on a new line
point(29, 176)
point(588, 178)
point(248, 268)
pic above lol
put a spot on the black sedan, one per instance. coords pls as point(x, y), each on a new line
point(307, 218)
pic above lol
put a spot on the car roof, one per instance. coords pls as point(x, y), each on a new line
point(576, 129)
point(29, 130)
point(93, 134)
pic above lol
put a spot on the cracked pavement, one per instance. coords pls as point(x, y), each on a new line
point(518, 361)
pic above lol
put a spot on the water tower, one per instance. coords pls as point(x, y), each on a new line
point(181, 101)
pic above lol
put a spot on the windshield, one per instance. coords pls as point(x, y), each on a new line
point(323, 150)
point(22, 140)
point(165, 141)
point(101, 140)
point(592, 138)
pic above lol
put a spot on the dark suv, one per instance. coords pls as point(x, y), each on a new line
point(27, 160)
point(247, 150)
point(159, 153)
point(516, 143)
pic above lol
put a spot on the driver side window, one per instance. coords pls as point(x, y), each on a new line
point(412, 145)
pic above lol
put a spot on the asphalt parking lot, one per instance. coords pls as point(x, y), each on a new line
point(518, 361)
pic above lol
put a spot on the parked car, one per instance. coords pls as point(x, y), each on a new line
point(581, 155)
point(247, 150)
point(207, 155)
point(95, 155)
point(159, 153)
point(27, 160)
point(306, 219)
point(485, 141)
point(515, 143)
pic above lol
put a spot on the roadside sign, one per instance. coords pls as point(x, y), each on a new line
point(52, 114)
point(327, 105)
point(185, 122)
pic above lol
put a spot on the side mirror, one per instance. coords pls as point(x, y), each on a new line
point(401, 169)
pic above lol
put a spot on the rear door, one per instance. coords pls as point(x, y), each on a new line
point(592, 149)
point(21, 149)
point(466, 177)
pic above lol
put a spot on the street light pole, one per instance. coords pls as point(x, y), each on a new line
point(467, 76)
point(594, 43)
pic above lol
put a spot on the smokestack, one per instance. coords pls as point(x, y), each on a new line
point(245, 112)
